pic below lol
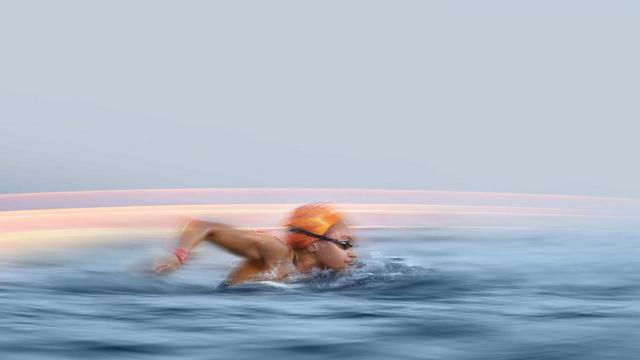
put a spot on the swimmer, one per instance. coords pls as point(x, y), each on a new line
point(317, 236)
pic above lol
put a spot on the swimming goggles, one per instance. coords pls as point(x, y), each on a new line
point(343, 244)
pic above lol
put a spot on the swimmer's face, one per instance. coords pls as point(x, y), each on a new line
point(333, 256)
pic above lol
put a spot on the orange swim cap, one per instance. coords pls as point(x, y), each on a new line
point(316, 218)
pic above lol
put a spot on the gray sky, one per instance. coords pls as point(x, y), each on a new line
point(539, 96)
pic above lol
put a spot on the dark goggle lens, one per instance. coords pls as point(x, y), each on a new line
point(345, 244)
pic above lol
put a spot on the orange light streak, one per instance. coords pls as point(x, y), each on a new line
point(91, 214)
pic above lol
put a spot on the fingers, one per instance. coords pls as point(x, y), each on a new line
point(166, 265)
point(162, 268)
point(173, 263)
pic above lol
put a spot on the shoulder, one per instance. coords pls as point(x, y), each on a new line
point(272, 248)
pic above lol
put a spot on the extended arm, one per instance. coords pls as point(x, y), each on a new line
point(247, 244)
point(240, 242)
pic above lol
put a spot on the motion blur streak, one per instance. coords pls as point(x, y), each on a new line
point(30, 201)
point(69, 217)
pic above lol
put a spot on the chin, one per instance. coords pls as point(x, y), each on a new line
point(341, 268)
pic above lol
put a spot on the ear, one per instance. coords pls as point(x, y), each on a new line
point(313, 247)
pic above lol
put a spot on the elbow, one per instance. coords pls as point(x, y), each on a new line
point(205, 228)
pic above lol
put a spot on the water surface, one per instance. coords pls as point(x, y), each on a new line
point(418, 294)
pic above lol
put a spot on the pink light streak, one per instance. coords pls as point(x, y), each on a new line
point(23, 216)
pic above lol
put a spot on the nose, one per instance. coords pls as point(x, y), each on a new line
point(352, 253)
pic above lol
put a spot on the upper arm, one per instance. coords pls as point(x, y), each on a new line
point(248, 244)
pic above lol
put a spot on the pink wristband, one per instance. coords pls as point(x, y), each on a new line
point(182, 255)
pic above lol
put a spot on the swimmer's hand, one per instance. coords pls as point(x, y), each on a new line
point(171, 263)
point(166, 265)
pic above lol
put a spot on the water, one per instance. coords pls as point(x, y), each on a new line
point(423, 294)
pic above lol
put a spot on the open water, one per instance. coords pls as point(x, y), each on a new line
point(418, 294)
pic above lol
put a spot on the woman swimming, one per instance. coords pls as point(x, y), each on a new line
point(317, 237)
